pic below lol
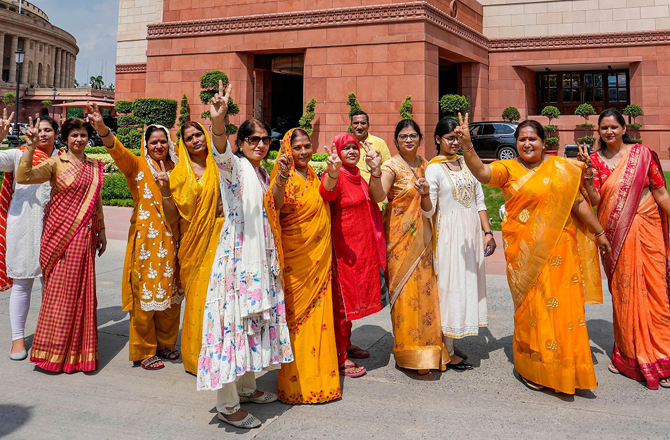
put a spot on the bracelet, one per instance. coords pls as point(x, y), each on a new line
point(599, 234)
point(168, 197)
point(587, 177)
point(468, 150)
point(218, 135)
point(280, 185)
point(282, 176)
point(376, 176)
point(108, 133)
point(334, 178)
point(100, 229)
point(425, 195)
point(488, 233)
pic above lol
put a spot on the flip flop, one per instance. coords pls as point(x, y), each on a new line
point(152, 363)
point(613, 369)
point(530, 385)
point(665, 384)
point(358, 353)
point(343, 371)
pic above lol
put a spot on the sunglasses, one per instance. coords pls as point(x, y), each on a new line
point(255, 140)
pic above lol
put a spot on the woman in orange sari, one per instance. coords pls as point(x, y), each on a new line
point(66, 338)
point(300, 222)
point(415, 308)
point(552, 266)
point(626, 182)
point(194, 184)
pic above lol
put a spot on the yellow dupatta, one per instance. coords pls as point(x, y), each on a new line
point(538, 207)
point(196, 200)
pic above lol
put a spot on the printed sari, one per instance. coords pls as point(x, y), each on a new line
point(301, 230)
point(196, 199)
point(66, 338)
point(412, 283)
point(638, 270)
point(552, 269)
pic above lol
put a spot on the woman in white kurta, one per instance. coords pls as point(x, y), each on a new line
point(459, 215)
point(244, 324)
point(21, 212)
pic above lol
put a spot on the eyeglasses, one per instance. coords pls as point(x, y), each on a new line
point(255, 140)
point(451, 140)
point(411, 137)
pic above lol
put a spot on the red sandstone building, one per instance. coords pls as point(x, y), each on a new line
point(281, 53)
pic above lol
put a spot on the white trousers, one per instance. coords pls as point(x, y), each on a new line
point(228, 397)
point(19, 304)
point(449, 344)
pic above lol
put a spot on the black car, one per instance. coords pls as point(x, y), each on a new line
point(494, 140)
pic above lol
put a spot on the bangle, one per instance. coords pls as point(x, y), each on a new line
point(217, 135)
point(376, 176)
point(282, 176)
point(167, 197)
point(334, 178)
point(588, 177)
point(488, 233)
point(469, 149)
point(108, 133)
point(425, 195)
point(599, 234)
point(100, 229)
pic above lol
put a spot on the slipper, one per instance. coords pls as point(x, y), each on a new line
point(358, 353)
point(530, 385)
point(168, 354)
point(266, 397)
point(613, 369)
point(249, 422)
point(665, 383)
point(343, 371)
point(460, 354)
point(152, 363)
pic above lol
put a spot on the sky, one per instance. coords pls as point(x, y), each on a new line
point(93, 23)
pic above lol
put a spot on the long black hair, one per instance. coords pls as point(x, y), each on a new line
point(404, 124)
point(445, 126)
point(247, 129)
point(616, 114)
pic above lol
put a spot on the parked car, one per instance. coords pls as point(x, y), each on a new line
point(494, 140)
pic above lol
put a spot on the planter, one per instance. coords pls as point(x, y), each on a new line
point(551, 152)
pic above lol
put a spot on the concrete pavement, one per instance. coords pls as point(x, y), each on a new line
point(122, 402)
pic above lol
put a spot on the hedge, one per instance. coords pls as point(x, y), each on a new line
point(155, 111)
point(129, 120)
point(114, 186)
point(123, 106)
point(132, 140)
point(103, 150)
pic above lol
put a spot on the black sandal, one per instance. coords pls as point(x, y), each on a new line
point(170, 355)
point(530, 385)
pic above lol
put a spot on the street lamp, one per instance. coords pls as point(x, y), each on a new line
point(19, 56)
point(53, 114)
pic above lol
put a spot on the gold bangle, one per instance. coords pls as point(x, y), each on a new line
point(472, 147)
point(168, 197)
point(218, 135)
point(599, 234)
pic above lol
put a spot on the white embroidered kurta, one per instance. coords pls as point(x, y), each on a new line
point(457, 198)
point(24, 220)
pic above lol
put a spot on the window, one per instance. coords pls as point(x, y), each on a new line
point(503, 129)
point(474, 131)
point(487, 129)
point(567, 90)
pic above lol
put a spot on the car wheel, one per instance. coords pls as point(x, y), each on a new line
point(506, 153)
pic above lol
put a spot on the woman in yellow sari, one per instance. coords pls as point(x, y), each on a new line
point(415, 308)
point(195, 193)
point(300, 222)
point(552, 265)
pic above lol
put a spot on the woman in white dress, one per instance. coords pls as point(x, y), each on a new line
point(21, 212)
point(459, 216)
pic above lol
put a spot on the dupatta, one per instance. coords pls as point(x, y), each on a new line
point(196, 200)
point(538, 207)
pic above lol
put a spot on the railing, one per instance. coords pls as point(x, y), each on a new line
point(27, 8)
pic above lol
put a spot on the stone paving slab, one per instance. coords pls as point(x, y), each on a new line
point(122, 402)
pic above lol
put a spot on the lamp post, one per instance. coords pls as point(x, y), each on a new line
point(19, 55)
point(53, 103)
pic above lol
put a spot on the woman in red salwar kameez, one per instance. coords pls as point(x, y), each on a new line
point(66, 338)
point(359, 250)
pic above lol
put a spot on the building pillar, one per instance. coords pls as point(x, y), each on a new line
point(2, 53)
point(474, 82)
point(70, 75)
point(73, 68)
point(28, 57)
point(12, 60)
point(66, 67)
point(61, 83)
point(57, 54)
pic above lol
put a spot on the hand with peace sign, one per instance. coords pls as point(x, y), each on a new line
point(463, 132)
point(94, 117)
point(163, 181)
point(219, 104)
point(5, 124)
point(334, 162)
point(422, 186)
point(373, 158)
point(285, 164)
point(32, 134)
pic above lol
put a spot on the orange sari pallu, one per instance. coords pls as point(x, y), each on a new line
point(197, 200)
point(552, 269)
point(302, 237)
point(415, 308)
point(638, 270)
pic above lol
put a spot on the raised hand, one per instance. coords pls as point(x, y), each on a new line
point(219, 104)
point(372, 157)
point(583, 155)
point(422, 186)
point(334, 162)
point(94, 117)
point(285, 163)
point(32, 134)
point(5, 124)
point(163, 181)
point(463, 131)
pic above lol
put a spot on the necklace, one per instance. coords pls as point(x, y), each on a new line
point(610, 162)
point(527, 165)
point(416, 165)
point(458, 162)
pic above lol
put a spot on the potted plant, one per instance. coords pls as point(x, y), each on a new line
point(511, 114)
point(586, 110)
point(552, 142)
point(633, 111)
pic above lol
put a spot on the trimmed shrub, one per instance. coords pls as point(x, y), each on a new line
point(9, 99)
point(209, 82)
point(633, 110)
point(353, 104)
point(103, 150)
point(123, 107)
point(634, 126)
point(451, 105)
point(46, 102)
point(586, 126)
point(587, 140)
point(551, 143)
point(128, 121)
point(550, 128)
point(585, 110)
point(636, 141)
point(511, 114)
point(155, 111)
point(551, 112)
point(405, 109)
point(131, 140)
point(306, 120)
point(184, 113)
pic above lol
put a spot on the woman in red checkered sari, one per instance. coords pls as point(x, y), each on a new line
point(66, 338)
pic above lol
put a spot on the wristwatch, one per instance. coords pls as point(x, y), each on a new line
point(488, 233)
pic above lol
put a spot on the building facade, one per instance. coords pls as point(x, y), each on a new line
point(528, 54)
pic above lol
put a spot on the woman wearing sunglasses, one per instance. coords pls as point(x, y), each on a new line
point(415, 308)
point(244, 323)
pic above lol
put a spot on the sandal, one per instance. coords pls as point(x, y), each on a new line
point(265, 397)
point(665, 383)
point(358, 353)
point(613, 369)
point(168, 354)
point(347, 371)
point(249, 422)
point(530, 385)
point(152, 363)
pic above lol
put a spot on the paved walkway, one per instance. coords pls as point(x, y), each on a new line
point(121, 402)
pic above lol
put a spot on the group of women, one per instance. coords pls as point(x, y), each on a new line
point(276, 266)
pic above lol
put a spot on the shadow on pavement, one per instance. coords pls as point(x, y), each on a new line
point(12, 417)
point(111, 338)
point(601, 333)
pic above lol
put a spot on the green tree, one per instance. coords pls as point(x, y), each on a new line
point(451, 105)
point(354, 106)
point(209, 83)
point(585, 110)
point(9, 99)
point(306, 120)
point(97, 82)
point(184, 114)
point(406, 108)
point(511, 114)
point(46, 102)
point(633, 110)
